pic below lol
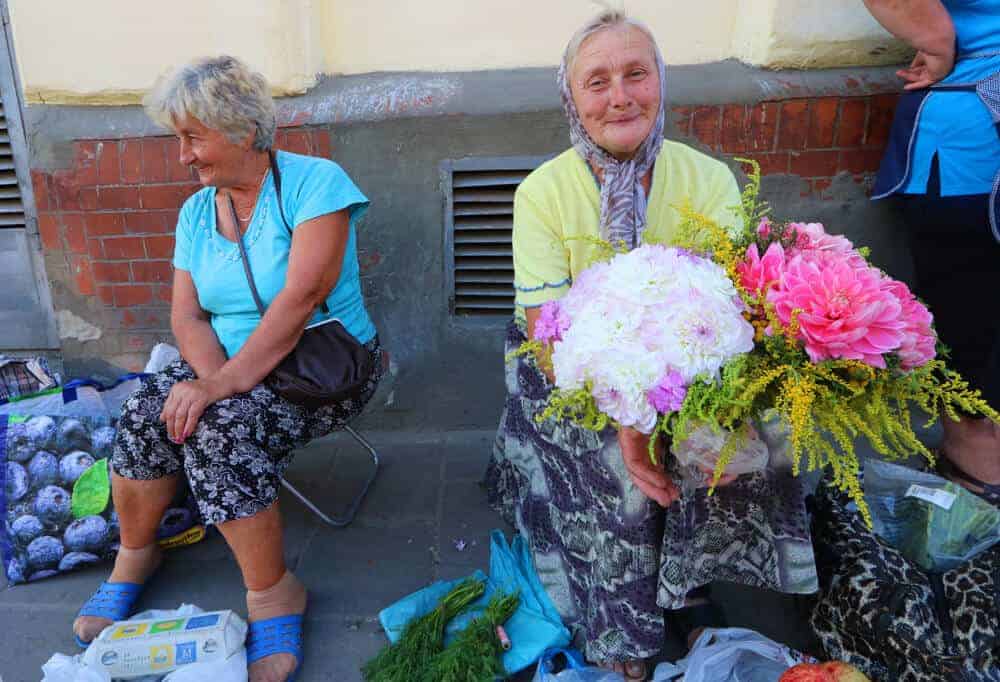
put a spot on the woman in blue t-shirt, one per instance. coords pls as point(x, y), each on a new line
point(943, 162)
point(210, 416)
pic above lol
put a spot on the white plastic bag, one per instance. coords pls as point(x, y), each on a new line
point(731, 655)
point(63, 668)
point(161, 356)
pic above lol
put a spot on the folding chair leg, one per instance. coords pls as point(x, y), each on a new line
point(352, 510)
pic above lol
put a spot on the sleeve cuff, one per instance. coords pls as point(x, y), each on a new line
point(534, 296)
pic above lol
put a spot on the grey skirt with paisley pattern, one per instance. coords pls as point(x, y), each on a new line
point(611, 559)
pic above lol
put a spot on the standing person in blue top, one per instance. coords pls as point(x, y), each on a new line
point(210, 416)
point(943, 162)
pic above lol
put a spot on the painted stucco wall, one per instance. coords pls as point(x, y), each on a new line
point(110, 51)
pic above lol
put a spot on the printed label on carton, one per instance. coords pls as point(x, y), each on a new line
point(187, 653)
point(166, 626)
point(137, 648)
point(127, 631)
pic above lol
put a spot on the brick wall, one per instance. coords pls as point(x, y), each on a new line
point(106, 222)
point(109, 219)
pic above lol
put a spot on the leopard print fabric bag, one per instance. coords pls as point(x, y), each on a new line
point(896, 622)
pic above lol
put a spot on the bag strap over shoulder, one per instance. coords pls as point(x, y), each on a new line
point(243, 256)
point(276, 175)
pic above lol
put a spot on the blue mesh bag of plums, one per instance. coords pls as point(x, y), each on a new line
point(55, 490)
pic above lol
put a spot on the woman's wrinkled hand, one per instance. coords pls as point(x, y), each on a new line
point(185, 404)
point(926, 69)
point(650, 478)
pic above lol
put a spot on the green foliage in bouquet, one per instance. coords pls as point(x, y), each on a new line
point(824, 406)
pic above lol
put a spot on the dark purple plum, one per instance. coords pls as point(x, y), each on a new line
point(72, 466)
point(42, 575)
point(75, 560)
point(43, 469)
point(15, 571)
point(17, 482)
point(44, 552)
point(19, 447)
point(25, 529)
point(41, 431)
point(88, 534)
point(72, 434)
point(52, 506)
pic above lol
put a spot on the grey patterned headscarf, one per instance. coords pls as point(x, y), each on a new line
point(623, 201)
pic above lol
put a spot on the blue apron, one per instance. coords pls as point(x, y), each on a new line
point(895, 169)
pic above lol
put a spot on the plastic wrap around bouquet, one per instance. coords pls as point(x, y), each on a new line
point(729, 326)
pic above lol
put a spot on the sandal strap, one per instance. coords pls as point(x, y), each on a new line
point(113, 601)
point(279, 635)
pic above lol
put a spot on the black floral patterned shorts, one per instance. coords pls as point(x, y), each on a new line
point(237, 454)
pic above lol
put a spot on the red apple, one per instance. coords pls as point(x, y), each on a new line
point(834, 671)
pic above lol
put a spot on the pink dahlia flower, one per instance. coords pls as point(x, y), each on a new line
point(845, 312)
point(919, 340)
point(756, 273)
point(812, 236)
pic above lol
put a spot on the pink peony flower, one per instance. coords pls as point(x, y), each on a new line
point(551, 323)
point(764, 228)
point(845, 311)
point(669, 394)
point(919, 345)
point(812, 236)
point(758, 274)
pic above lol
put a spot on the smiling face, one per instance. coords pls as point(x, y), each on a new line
point(219, 161)
point(616, 88)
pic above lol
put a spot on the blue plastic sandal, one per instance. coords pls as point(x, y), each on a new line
point(113, 601)
point(279, 635)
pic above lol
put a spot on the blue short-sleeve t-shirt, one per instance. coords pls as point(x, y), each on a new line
point(956, 126)
point(310, 187)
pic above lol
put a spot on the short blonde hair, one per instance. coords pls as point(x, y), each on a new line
point(608, 18)
point(221, 92)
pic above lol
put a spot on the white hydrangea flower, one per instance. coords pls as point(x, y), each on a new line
point(641, 315)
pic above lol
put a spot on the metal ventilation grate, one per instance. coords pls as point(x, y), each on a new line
point(479, 218)
point(11, 208)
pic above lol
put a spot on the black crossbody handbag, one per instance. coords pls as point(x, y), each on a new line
point(328, 364)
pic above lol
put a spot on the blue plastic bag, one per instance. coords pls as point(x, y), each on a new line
point(576, 669)
point(534, 627)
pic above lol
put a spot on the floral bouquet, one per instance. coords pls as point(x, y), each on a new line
point(729, 326)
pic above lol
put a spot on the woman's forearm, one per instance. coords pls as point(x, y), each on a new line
point(199, 346)
point(923, 24)
point(275, 337)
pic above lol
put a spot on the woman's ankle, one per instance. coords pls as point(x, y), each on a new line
point(136, 565)
point(287, 596)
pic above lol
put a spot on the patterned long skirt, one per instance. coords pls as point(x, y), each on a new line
point(611, 559)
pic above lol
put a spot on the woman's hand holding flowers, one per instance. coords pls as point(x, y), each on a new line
point(650, 478)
